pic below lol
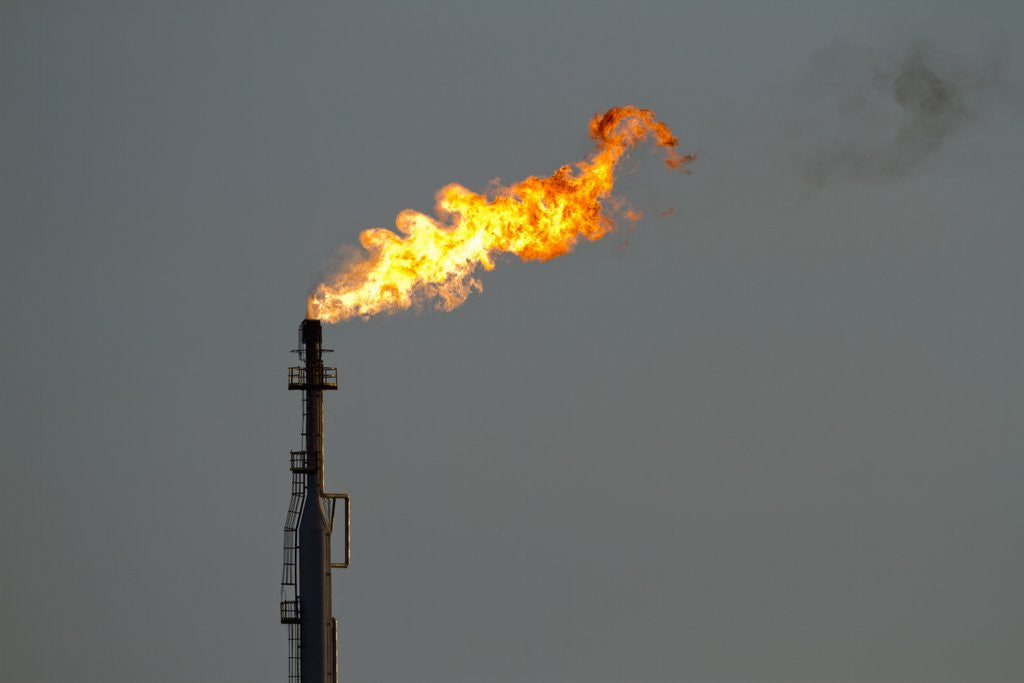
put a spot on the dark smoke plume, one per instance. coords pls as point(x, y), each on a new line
point(867, 115)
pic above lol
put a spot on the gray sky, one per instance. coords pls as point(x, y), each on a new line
point(775, 436)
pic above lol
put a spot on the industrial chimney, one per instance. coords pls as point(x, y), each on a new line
point(306, 579)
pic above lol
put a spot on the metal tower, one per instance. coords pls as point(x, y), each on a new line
point(306, 580)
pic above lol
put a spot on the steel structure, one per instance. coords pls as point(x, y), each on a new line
point(306, 579)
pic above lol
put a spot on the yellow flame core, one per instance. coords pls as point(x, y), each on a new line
point(436, 258)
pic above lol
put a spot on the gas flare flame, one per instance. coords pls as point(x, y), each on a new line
point(436, 259)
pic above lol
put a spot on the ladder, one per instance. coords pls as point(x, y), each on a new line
point(289, 577)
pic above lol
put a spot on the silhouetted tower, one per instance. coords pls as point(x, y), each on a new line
point(306, 580)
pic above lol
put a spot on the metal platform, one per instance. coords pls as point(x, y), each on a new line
point(322, 379)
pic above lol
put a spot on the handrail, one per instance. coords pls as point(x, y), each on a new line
point(325, 377)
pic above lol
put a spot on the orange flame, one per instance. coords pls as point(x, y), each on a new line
point(535, 219)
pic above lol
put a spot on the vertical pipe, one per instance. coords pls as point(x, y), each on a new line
point(314, 564)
